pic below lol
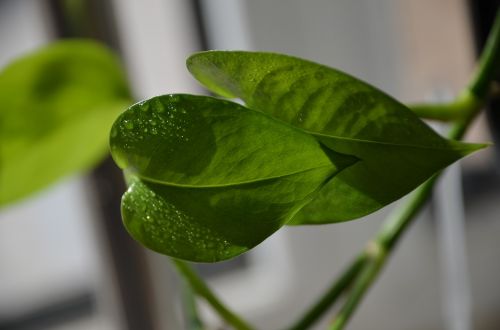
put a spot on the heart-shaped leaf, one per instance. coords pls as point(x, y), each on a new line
point(397, 151)
point(210, 179)
point(56, 106)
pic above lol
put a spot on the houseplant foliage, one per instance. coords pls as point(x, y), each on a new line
point(210, 178)
point(57, 105)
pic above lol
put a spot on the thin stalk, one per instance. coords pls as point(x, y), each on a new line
point(193, 319)
point(488, 66)
point(392, 230)
point(480, 86)
point(447, 111)
point(363, 282)
point(312, 315)
point(398, 221)
point(200, 288)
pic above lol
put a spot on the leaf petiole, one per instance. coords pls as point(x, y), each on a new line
point(455, 110)
point(201, 289)
point(331, 295)
point(376, 256)
point(479, 89)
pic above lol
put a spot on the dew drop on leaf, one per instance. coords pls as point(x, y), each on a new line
point(128, 124)
point(167, 228)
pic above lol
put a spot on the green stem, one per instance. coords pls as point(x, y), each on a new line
point(398, 221)
point(448, 111)
point(376, 258)
point(479, 88)
point(204, 291)
point(478, 91)
point(488, 65)
point(328, 298)
point(193, 320)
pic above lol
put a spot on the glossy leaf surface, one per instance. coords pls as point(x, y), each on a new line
point(57, 105)
point(397, 151)
point(210, 179)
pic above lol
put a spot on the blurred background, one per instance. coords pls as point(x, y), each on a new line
point(67, 263)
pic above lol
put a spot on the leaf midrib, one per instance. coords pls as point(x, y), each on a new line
point(444, 148)
point(318, 134)
point(232, 184)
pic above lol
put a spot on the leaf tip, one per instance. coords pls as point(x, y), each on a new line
point(466, 149)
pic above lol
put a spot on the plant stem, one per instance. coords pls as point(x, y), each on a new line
point(488, 65)
point(447, 111)
point(479, 88)
point(398, 221)
point(478, 91)
point(193, 320)
point(330, 296)
point(376, 258)
point(204, 291)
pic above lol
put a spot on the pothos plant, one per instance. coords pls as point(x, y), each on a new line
point(209, 179)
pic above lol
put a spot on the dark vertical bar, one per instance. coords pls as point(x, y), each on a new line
point(94, 19)
point(128, 257)
point(483, 13)
point(200, 24)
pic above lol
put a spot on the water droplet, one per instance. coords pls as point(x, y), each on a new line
point(128, 124)
point(301, 117)
point(159, 109)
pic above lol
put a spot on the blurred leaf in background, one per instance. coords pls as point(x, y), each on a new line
point(57, 105)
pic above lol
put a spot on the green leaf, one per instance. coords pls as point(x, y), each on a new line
point(397, 151)
point(210, 179)
point(57, 105)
